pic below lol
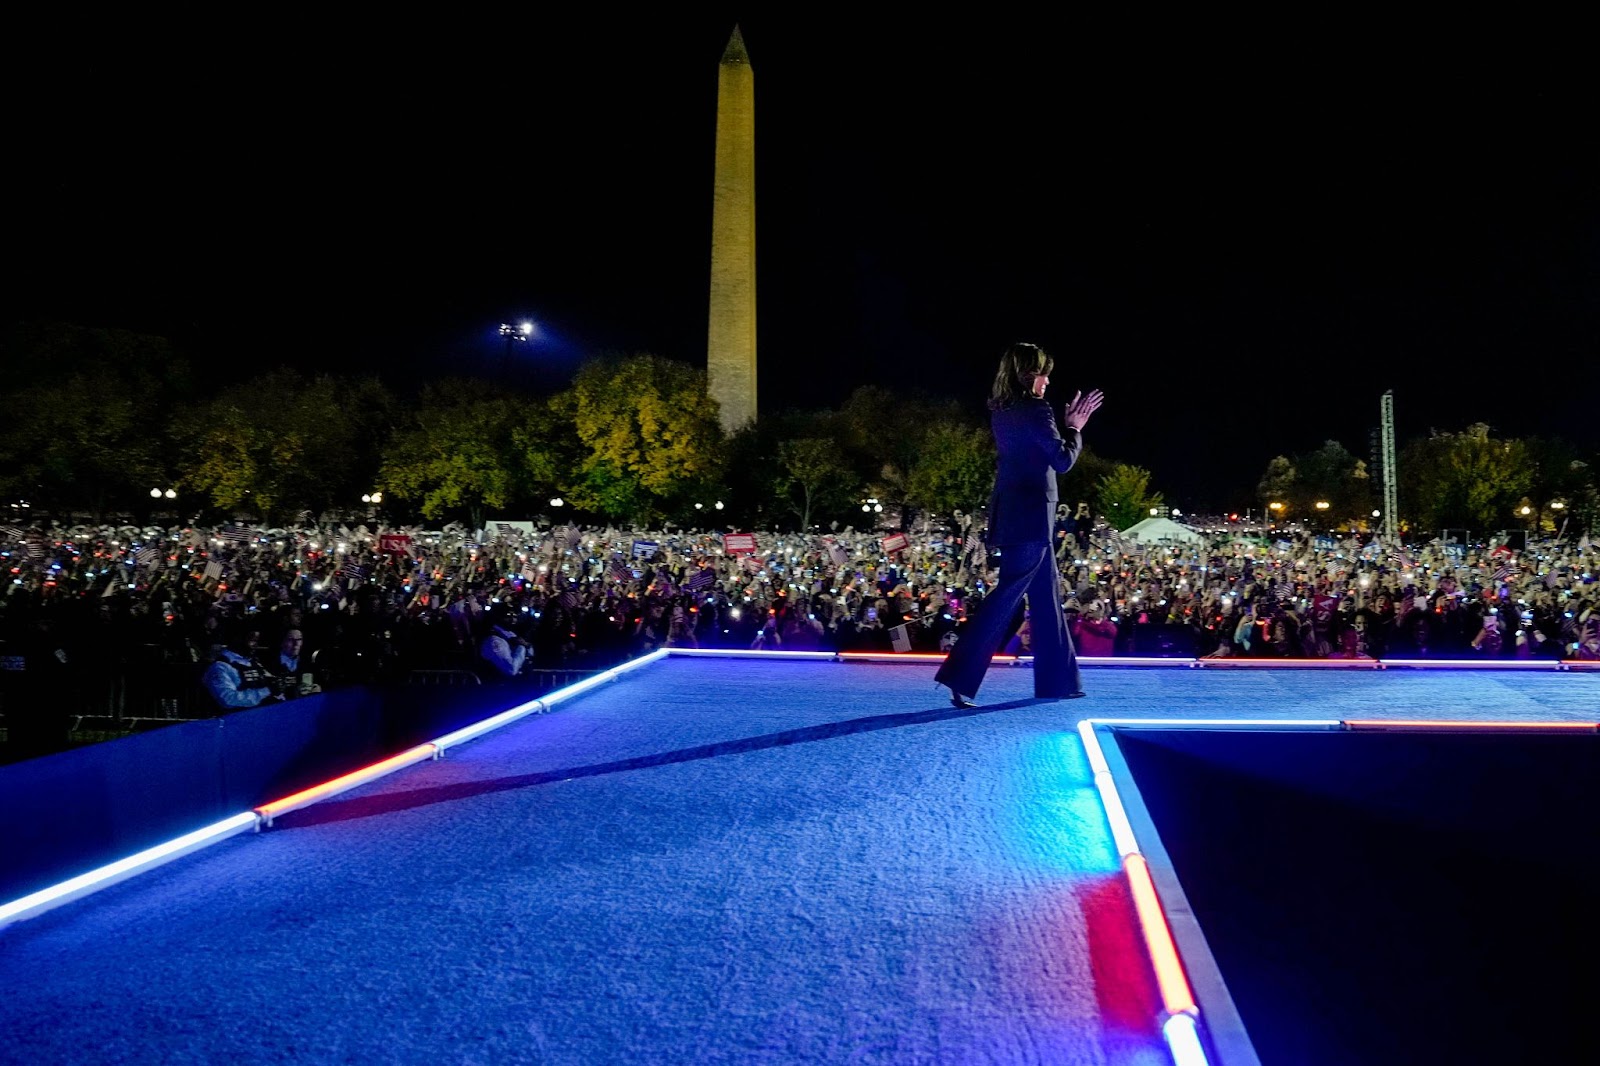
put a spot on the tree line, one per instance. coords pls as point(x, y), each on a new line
point(636, 439)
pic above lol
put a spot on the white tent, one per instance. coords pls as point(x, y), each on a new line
point(1160, 531)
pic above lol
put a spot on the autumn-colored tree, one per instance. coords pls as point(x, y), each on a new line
point(1328, 475)
point(91, 435)
point(468, 446)
point(813, 478)
point(648, 435)
point(1558, 480)
point(1466, 480)
point(1277, 486)
point(1124, 496)
point(884, 434)
point(1081, 484)
point(283, 442)
point(955, 471)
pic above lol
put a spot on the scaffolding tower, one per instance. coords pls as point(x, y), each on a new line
point(1390, 493)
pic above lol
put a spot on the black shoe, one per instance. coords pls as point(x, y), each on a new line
point(959, 701)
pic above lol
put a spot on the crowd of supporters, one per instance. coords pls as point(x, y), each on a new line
point(156, 608)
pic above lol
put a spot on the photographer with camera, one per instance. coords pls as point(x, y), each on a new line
point(237, 680)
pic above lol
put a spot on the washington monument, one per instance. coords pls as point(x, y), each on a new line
point(731, 340)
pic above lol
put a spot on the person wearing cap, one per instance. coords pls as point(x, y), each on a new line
point(502, 652)
point(236, 680)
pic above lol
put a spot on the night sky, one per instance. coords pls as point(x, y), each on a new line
point(1243, 234)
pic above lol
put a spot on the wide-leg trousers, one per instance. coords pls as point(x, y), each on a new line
point(1025, 569)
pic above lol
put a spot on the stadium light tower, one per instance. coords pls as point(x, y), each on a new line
point(513, 334)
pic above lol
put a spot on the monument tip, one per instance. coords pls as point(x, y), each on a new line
point(735, 52)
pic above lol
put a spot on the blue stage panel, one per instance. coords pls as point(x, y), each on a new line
point(707, 860)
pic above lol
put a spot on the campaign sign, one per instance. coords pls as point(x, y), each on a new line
point(396, 543)
point(739, 542)
point(896, 542)
point(645, 549)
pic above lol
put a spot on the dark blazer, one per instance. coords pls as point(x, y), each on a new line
point(1032, 451)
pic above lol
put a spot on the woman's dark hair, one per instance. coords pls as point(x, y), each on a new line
point(1014, 380)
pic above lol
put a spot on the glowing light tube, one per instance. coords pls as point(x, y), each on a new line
point(1116, 815)
point(306, 797)
point(561, 695)
point(477, 729)
point(907, 657)
point(1091, 746)
point(1291, 664)
point(1478, 664)
point(38, 902)
point(1446, 725)
point(1175, 994)
point(1275, 724)
point(1187, 663)
point(544, 703)
point(748, 653)
point(1183, 1040)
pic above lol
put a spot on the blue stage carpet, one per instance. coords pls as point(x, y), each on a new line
point(709, 861)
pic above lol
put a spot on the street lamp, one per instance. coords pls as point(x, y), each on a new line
point(556, 501)
point(1322, 505)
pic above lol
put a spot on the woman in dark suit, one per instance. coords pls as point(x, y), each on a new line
point(1021, 521)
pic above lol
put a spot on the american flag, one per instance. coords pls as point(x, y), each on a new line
point(700, 579)
point(568, 599)
point(35, 547)
point(147, 556)
point(1337, 570)
point(1283, 591)
point(12, 532)
point(1399, 557)
point(353, 570)
point(1506, 571)
point(236, 534)
point(619, 569)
